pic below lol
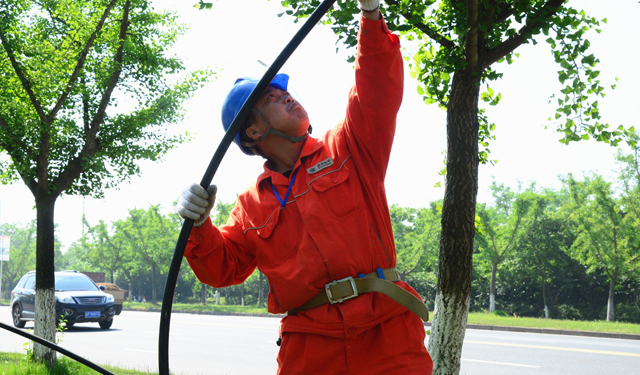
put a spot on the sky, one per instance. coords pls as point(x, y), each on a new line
point(231, 41)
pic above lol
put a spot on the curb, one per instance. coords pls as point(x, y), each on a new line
point(552, 331)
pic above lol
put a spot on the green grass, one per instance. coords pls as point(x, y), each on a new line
point(16, 364)
point(196, 308)
point(597, 326)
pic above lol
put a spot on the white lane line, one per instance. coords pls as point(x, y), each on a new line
point(559, 348)
point(499, 363)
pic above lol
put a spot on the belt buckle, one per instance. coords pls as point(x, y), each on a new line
point(328, 286)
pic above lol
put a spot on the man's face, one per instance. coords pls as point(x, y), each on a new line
point(282, 112)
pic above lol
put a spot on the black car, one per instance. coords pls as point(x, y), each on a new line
point(78, 300)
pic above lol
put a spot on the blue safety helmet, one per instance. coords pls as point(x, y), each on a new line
point(239, 93)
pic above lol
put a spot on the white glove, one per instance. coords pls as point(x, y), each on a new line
point(196, 203)
point(369, 5)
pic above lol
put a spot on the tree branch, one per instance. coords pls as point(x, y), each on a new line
point(595, 244)
point(513, 235)
point(443, 41)
point(74, 168)
point(471, 46)
point(504, 14)
point(80, 64)
point(535, 21)
point(493, 241)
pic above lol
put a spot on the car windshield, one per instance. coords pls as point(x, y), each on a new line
point(67, 283)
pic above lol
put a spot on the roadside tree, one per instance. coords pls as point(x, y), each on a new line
point(416, 233)
point(504, 225)
point(64, 68)
point(151, 237)
point(607, 237)
point(105, 248)
point(23, 260)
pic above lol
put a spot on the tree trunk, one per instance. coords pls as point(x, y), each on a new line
point(544, 297)
point(153, 283)
point(203, 294)
point(261, 291)
point(45, 309)
point(242, 296)
point(492, 287)
point(217, 296)
point(458, 226)
point(612, 290)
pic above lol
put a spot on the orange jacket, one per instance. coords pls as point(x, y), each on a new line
point(336, 222)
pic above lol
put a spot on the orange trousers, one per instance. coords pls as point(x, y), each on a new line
point(394, 347)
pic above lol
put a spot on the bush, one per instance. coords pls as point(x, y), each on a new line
point(627, 312)
point(567, 312)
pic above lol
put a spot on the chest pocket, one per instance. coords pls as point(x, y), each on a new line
point(271, 239)
point(339, 191)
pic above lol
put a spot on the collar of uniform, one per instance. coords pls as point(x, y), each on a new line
point(311, 146)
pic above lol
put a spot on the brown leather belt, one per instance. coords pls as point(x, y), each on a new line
point(339, 291)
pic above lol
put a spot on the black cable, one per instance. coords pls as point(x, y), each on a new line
point(172, 276)
point(55, 347)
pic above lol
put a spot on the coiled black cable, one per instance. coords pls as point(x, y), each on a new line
point(172, 277)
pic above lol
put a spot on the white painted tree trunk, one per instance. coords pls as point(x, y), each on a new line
point(45, 307)
point(612, 290)
point(492, 287)
point(546, 312)
point(447, 333)
point(45, 324)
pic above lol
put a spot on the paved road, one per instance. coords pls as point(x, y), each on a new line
point(218, 345)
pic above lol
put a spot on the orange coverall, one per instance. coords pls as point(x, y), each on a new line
point(335, 224)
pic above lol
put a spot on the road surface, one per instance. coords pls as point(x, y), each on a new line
point(237, 345)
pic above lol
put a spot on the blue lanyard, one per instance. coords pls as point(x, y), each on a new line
point(283, 203)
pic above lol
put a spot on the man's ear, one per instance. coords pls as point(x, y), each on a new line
point(254, 131)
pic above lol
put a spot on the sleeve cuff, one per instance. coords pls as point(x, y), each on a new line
point(202, 240)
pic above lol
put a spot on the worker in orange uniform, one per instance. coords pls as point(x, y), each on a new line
point(317, 223)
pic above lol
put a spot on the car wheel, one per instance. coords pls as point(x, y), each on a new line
point(17, 314)
point(106, 324)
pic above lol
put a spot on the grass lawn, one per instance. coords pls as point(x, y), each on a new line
point(16, 364)
point(597, 326)
point(197, 307)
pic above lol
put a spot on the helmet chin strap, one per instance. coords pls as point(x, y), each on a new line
point(273, 131)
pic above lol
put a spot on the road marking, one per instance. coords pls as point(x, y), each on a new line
point(500, 363)
point(555, 348)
